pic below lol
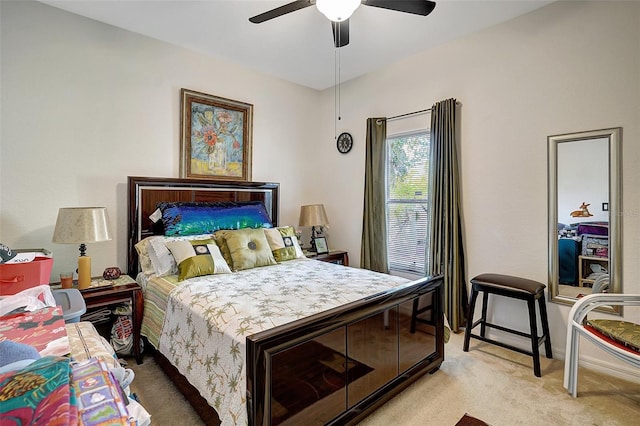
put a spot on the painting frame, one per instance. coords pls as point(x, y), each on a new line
point(216, 137)
point(321, 245)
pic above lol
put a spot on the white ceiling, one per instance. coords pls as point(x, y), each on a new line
point(298, 47)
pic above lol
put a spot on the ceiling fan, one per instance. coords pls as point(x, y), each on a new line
point(339, 11)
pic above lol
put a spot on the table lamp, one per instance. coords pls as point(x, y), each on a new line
point(82, 225)
point(313, 215)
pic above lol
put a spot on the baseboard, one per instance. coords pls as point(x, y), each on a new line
point(604, 366)
point(620, 371)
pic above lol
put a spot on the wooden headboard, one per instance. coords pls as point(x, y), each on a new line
point(146, 192)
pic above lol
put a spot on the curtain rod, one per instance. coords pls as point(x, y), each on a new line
point(408, 114)
point(414, 113)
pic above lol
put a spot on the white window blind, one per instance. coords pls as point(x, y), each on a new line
point(407, 200)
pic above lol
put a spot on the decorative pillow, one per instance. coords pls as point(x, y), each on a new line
point(219, 236)
point(248, 248)
point(624, 332)
point(284, 243)
point(206, 218)
point(197, 258)
point(160, 258)
point(142, 247)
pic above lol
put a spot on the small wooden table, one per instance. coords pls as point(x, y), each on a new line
point(338, 257)
point(124, 289)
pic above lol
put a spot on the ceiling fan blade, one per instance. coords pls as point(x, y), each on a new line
point(417, 7)
point(282, 10)
point(340, 32)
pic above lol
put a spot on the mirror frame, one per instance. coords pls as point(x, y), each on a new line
point(614, 136)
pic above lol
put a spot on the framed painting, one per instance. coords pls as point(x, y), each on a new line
point(215, 137)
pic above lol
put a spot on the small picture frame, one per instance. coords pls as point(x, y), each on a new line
point(321, 245)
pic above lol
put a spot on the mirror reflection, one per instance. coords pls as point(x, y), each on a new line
point(584, 229)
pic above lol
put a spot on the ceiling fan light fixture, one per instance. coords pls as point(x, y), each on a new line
point(337, 10)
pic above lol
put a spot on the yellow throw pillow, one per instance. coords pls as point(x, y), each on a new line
point(197, 258)
point(248, 248)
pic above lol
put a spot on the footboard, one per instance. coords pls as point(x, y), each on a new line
point(338, 366)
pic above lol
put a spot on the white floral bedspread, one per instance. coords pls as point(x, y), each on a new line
point(208, 319)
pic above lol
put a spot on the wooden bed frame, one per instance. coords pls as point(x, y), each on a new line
point(379, 333)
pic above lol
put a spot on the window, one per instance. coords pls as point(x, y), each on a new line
point(407, 201)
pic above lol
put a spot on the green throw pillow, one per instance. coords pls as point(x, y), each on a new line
point(197, 258)
point(248, 248)
point(624, 332)
point(220, 237)
point(283, 243)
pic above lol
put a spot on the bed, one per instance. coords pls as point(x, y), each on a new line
point(320, 344)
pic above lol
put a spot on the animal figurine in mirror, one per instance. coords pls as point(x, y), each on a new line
point(583, 211)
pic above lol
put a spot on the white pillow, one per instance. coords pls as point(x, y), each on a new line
point(144, 261)
point(161, 259)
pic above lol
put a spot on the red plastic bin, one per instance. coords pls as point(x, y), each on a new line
point(15, 277)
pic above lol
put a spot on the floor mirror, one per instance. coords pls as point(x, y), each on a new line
point(585, 223)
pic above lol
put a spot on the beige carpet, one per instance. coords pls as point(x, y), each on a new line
point(488, 382)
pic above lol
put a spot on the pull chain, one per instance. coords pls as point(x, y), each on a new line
point(335, 93)
point(339, 85)
point(336, 83)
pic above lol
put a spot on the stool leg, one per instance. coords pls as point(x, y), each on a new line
point(485, 303)
point(467, 329)
point(531, 303)
point(414, 315)
point(545, 326)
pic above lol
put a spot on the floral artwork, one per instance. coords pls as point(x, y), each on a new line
point(216, 137)
point(216, 140)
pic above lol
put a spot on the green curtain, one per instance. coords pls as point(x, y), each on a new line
point(446, 249)
point(373, 253)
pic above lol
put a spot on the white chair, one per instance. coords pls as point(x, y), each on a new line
point(575, 328)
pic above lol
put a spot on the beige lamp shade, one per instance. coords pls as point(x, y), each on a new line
point(313, 215)
point(79, 225)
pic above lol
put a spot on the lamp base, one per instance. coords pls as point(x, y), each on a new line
point(313, 240)
point(84, 272)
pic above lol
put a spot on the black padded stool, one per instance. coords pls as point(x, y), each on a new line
point(516, 288)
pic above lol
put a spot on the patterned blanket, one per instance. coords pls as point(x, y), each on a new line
point(208, 319)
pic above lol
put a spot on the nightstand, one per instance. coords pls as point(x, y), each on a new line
point(338, 257)
point(122, 290)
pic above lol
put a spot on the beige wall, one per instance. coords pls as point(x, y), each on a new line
point(567, 67)
point(84, 105)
